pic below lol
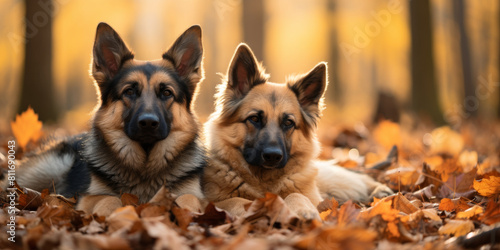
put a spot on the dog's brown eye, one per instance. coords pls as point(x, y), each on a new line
point(289, 123)
point(167, 93)
point(129, 92)
point(254, 118)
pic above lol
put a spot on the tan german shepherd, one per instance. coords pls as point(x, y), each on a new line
point(262, 138)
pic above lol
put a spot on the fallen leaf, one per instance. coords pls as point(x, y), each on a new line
point(129, 199)
point(457, 227)
point(212, 216)
point(383, 208)
point(26, 127)
point(338, 238)
point(431, 214)
point(404, 205)
point(328, 204)
point(347, 214)
point(122, 219)
point(469, 213)
point(167, 238)
point(271, 206)
point(453, 205)
point(489, 186)
point(492, 213)
point(447, 205)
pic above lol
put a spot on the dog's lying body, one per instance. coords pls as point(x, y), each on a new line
point(262, 138)
point(144, 133)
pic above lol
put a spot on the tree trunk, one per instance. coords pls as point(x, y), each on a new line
point(424, 89)
point(334, 90)
point(253, 26)
point(469, 87)
point(37, 88)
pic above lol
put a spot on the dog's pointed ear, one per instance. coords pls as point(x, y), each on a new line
point(244, 71)
point(109, 53)
point(310, 88)
point(187, 55)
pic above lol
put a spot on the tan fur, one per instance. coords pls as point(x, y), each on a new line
point(231, 182)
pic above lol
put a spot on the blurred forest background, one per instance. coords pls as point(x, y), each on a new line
point(432, 59)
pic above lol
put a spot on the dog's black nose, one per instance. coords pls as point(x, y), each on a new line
point(148, 122)
point(272, 155)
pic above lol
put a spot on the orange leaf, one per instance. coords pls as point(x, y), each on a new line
point(475, 210)
point(489, 186)
point(26, 127)
point(338, 238)
point(393, 229)
point(457, 227)
point(492, 213)
point(383, 208)
point(457, 205)
point(447, 205)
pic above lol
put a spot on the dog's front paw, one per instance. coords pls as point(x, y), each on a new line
point(381, 191)
point(308, 214)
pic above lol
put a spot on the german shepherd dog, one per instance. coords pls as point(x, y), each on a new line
point(262, 138)
point(144, 133)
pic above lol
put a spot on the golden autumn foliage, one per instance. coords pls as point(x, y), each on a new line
point(26, 127)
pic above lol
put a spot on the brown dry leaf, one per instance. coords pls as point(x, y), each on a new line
point(59, 216)
point(401, 177)
point(446, 141)
point(212, 216)
point(99, 242)
point(387, 134)
point(152, 210)
point(167, 238)
point(122, 218)
point(26, 127)
point(271, 206)
point(29, 199)
point(457, 227)
point(471, 212)
point(404, 205)
point(492, 213)
point(347, 214)
point(488, 186)
point(459, 185)
point(183, 216)
point(338, 238)
point(129, 199)
point(328, 204)
point(431, 214)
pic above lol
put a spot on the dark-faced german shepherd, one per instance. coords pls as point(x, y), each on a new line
point(262, 138)
point(144, 133)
